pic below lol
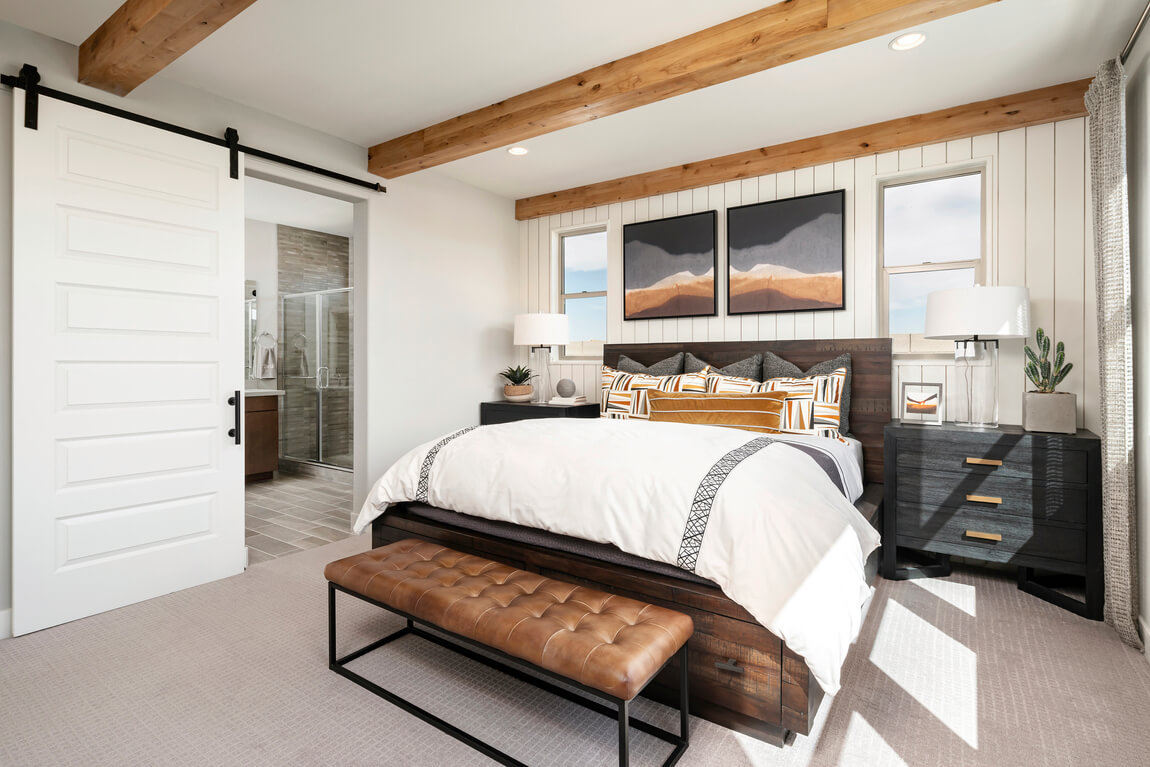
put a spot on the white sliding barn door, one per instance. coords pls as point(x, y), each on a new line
point(127, 323)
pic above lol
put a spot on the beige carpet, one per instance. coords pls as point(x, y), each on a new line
point(962, 671)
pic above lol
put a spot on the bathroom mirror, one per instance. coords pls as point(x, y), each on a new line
point(251, 333)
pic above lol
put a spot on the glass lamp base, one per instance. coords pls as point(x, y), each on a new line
point(541, 367)
point(976, 371)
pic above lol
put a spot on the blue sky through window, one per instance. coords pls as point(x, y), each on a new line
point(907, 295)
point(936, 221)
point(585, 262)
point(585, 269)
point(588, 318)
point(933, 221)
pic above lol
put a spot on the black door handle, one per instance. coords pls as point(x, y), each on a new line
point(234, 401)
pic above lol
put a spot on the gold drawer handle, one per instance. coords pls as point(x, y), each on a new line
point(983, 536)
point(983, 498)
point(984, 461)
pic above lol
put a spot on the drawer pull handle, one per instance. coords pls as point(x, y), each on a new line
point(984, 461)
point(984, 536)
point(730, 665)
point(983, 498)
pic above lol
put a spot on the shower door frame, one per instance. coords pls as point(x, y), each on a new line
point(319, 356)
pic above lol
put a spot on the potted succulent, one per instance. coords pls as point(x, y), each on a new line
point(517, 388)
point(1044, 409)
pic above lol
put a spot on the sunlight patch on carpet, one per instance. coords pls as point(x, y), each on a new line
point(936, 670)
point(961, 595)
point(864, 746)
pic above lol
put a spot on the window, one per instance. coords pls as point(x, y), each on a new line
point(932, 238)
point(583, 291)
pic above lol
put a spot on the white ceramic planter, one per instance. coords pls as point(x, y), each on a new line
point(1056, 412)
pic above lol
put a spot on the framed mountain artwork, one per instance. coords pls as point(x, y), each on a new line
point(786, 255)
point(669, 267)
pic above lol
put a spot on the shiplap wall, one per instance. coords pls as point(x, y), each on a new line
point(1037, 235)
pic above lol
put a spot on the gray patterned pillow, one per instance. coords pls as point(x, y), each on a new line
point(751, 367)
point(775, 366)
point(672, 366)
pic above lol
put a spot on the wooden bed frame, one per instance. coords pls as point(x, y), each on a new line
point(743, 677)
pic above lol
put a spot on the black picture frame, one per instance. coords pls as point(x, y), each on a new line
point(651, 250)
point(763, 224)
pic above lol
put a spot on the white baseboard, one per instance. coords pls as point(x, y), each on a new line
point(5, 624)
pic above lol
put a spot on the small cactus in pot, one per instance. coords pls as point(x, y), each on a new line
point(1038, 368)
point(517, 388)
point(1045, 409)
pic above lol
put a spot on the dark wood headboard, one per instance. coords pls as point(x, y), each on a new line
point(870, 376)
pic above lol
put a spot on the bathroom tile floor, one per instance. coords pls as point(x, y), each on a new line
point(293, 513)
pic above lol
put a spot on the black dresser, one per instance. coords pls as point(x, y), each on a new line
point(505, 412)
point(998, 495)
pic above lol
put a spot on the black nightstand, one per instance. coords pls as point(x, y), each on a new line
point(998, 495)
point(505, 412)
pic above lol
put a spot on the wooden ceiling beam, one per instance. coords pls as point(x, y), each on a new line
point(1058, 102)
point(144, 36)
point(778, 34)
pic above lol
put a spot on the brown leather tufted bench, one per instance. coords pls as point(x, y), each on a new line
point(602, 643)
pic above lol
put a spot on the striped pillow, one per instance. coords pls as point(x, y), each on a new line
point(812, 405)
point(762, 412)
point(625, 394)
point(718, 383)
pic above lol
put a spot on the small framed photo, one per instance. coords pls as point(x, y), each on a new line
point(923, 403)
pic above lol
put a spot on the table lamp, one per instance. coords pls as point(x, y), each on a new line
point(975, 319)
point(541, 332)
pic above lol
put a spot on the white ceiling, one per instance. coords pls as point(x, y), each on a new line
point(278, 204)
point(367, 71)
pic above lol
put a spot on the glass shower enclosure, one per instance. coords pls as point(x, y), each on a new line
point(316, 365)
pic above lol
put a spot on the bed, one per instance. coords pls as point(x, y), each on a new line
point(742, 675)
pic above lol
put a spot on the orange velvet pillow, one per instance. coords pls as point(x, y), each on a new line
point(761, 411)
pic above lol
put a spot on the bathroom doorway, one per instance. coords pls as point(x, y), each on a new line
point(299, 276)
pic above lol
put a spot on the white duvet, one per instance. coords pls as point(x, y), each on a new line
point(754, 513)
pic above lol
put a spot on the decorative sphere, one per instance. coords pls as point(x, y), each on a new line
point(565, 387)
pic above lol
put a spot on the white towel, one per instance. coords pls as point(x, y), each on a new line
point(267, 362)
point(264, 357)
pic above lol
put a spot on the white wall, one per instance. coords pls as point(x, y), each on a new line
point(261, 265)
point(1038, 237)
point(1138, 169)
point(449, 290)
point(439, 271)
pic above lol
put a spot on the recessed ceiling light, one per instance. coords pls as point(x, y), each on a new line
point(518, 151)
point(907, 41)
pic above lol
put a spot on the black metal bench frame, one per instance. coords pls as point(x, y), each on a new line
point(512, 666)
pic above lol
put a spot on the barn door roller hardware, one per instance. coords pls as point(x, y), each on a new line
point(29, 80)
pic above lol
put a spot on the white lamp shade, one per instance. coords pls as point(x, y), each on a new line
point(986, 312)
point(541, 329)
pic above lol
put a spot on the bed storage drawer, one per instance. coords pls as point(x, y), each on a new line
point(739, 669)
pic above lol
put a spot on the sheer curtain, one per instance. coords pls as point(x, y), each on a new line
point(1106, 102)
